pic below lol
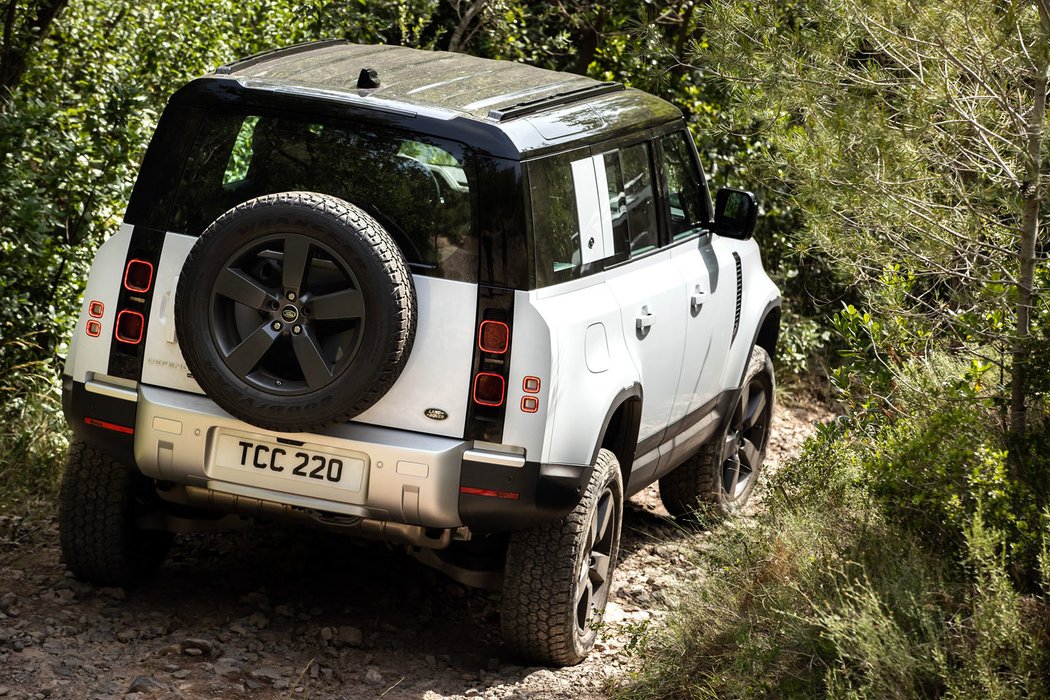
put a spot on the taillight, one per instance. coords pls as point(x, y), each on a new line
point(489, 389)
point(494, 337)
point(96, 309)
point(490, 373)
point(138, 276)
point(130, 325)
point(94, 328)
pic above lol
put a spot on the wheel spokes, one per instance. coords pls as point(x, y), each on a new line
point(731, 475)
point(234, 284)
point(246, 356)
point(750, 454)
point(602, 519)
point(755, 407)
point(584, 600)
point(345, 304)
point(739, 414)
point(599, 569)
point(296, 261)
point(315, 368)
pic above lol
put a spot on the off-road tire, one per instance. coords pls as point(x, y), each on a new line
point(541, 582)
point(99, 504)
point(696, 487)
point(378, 272)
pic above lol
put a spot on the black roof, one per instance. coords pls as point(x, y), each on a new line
point(535, 109)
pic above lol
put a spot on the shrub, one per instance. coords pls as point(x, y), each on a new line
point(846, 587)
point(33, 434)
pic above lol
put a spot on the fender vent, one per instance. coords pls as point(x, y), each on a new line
point(739, 294)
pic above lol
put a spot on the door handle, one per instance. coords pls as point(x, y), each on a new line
point(696, 300)
point(644, 321)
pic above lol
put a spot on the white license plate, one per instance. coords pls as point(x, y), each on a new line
point(306, 465)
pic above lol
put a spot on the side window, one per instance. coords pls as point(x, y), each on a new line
point(632, 209)
point(685, 192)
point(617, 198)
point(638, 191)
point(555, 223)
point(591, 210)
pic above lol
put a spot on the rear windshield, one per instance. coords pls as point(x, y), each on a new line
point(419, 190)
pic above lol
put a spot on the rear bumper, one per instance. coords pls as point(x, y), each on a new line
point(408, 477)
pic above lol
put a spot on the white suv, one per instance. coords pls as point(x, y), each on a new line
point(461, 305)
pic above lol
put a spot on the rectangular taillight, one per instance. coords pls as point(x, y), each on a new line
point(489, 389)
point(494, 337)
point(130, 326)
point(138, 276)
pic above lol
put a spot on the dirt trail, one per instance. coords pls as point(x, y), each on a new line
point(288, 613)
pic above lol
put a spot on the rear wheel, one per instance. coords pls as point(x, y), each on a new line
point(720, 477)
point(557, 577)
point(99, 506)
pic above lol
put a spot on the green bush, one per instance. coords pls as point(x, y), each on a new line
point(33, 434)
point(847, 586)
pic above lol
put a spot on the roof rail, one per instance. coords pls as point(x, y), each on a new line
point(561, 98)
point(228, 68)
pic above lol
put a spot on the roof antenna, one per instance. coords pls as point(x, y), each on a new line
point(368, 79)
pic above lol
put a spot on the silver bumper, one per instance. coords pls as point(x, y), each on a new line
point(408, 477)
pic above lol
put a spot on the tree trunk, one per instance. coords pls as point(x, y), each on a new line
point(18, 43)
point(459, 36)
point(1026, 257)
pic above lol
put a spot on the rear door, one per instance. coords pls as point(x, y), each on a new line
point(647, 285)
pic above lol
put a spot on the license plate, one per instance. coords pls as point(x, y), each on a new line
point(307, 465)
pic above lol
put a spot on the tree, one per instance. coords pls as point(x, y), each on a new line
point(25, 25)
point(912, 136)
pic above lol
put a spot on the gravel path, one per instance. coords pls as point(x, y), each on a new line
point(278, 612)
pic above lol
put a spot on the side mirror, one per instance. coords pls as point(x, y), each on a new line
point(735, 213)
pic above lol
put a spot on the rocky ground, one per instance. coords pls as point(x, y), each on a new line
point(278, 612)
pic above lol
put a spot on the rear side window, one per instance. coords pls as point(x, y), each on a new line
point(555, 220)
point(641, 208)
point(685, 189)
point(633, 212)
point(591, 211)
point(420, 191)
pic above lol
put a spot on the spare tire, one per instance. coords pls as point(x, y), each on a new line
point(295, 311)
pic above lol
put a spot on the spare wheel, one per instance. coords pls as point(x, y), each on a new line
point(295, 311)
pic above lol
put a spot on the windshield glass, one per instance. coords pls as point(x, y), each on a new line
point(419, 190)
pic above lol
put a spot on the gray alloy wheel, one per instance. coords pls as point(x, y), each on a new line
point(295, 311)
point(721, 476)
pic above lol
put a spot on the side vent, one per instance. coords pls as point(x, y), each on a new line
point(739, 293)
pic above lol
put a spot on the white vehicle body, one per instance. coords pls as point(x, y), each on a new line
point(558, 300)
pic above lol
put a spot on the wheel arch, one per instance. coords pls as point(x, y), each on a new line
point(769, 329)
point(619, 433)
point(767, 333)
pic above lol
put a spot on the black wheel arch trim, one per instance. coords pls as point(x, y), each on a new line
point(771, 312)
point(629, 436)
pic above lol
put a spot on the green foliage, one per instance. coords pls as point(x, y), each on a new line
point(844, 589)
point(900, 135)
point(32, 436)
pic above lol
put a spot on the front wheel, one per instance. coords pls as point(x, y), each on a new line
point(98, 510)
point(557, 577)
point(720, 477)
